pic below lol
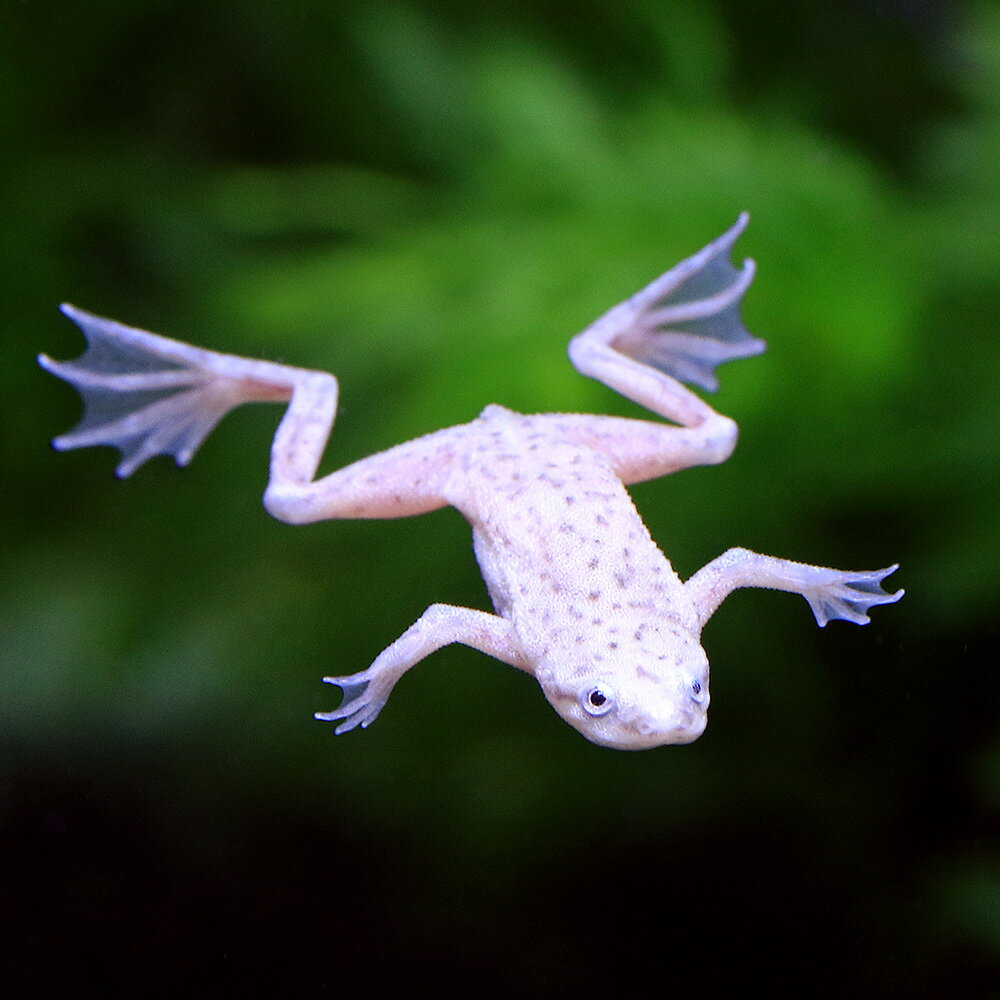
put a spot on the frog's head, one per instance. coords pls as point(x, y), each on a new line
point(636, 707)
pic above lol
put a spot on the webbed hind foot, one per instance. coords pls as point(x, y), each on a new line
point(148, 395)
point(684, 323)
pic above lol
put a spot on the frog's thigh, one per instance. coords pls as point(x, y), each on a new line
point(644, 449)
point(404, 480)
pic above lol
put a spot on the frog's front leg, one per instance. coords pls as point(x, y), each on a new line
point(441, 624)
point(831, 593)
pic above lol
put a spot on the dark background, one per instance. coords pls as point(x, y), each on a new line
point(429, 200)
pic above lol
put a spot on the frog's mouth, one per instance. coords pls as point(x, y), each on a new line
point(646, 732)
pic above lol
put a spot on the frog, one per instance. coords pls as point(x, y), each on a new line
point(583, 598)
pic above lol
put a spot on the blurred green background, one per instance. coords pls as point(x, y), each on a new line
point(428, 198)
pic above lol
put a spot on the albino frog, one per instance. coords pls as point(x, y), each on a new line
point(583, 598)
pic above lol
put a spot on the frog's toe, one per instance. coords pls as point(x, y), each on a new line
point(147, 395)
point(687, 321)
point(359, 706)
point(849, 596)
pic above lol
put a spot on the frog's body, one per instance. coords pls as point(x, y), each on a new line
point(595, 605)
point(584, 600)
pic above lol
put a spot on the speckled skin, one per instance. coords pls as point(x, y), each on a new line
point(583, 598)
point(570, 564)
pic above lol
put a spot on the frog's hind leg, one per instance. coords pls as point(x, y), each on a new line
point(149, 395)
point(675, 330)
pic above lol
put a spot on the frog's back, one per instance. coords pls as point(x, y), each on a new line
point(557, 536)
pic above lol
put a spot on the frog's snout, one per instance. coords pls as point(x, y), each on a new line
point(672, 725)
point(683, 725)
point(676, 719)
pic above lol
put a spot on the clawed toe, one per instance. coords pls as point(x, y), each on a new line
point(359, 706)
point(850, 596)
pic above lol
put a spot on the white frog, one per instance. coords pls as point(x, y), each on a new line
point(583, 598)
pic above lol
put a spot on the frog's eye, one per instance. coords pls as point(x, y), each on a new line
point(598, 700)
point(696, 689)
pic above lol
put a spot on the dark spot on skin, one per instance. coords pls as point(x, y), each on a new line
point(597, 621)
point(612, 645)
point(594, 563)
point(602, 520)
point(570, 500)
point(594, 595)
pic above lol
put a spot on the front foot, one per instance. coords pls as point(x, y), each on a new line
point(848, 595)
point(831, 593)
point(365, 694)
